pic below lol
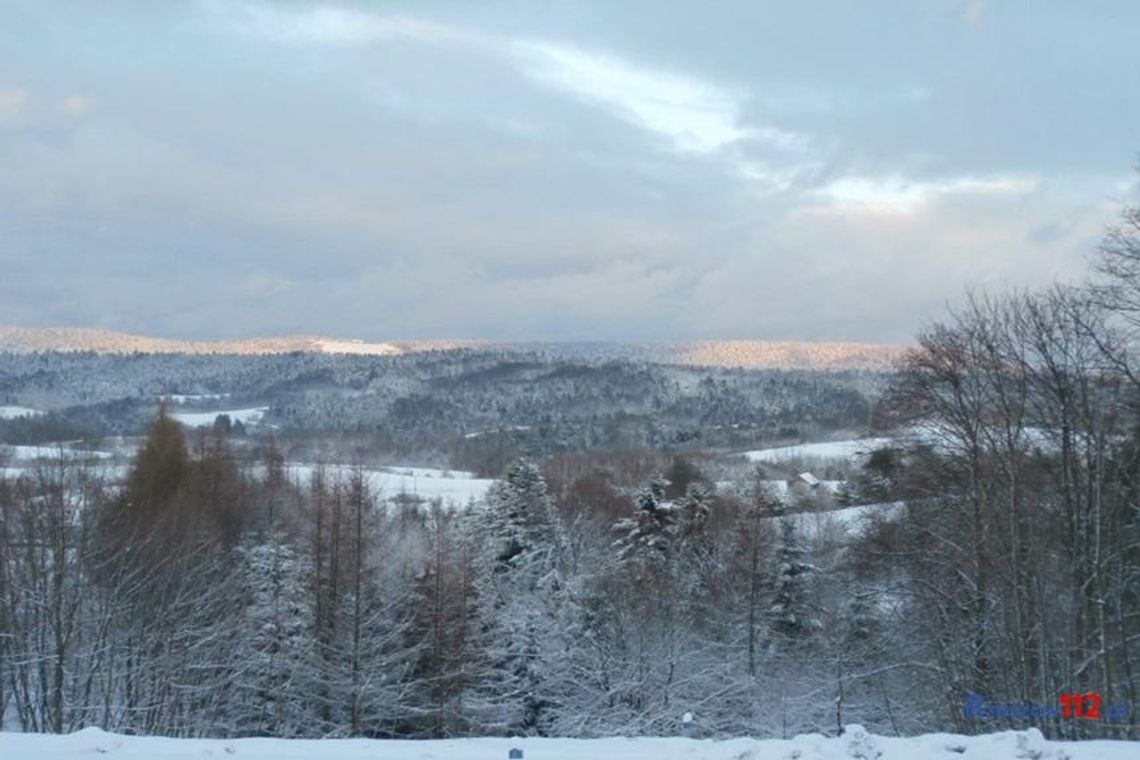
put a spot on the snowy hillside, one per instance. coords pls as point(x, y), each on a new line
point(199, 419)
point(14, 412)
point(50, 453)
point(454, 488)
point(28, 339)
point(749, 354)
point(856, 743)
point(826, 450)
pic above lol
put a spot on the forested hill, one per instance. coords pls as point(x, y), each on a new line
point(472, 408)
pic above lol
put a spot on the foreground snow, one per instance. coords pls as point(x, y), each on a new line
point(856, 743)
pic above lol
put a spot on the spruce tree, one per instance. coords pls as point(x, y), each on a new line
point(791, 616)
point(646, 538)
point(520, 603)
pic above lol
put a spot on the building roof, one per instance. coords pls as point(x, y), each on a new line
point(808, 478)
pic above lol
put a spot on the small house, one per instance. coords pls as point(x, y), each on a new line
point(805, 480)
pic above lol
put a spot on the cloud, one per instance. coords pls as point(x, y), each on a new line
point(12, 106)
point(512, 170)
point(75, 106)
point(696, 116)
point(975, 12)
point(897, 194)
point(328, 25)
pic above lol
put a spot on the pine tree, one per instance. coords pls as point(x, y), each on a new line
point(521, 523)
point(791, 616)
point(276, 639)
point(693, 514)
point(646, 538)
point(520, 595)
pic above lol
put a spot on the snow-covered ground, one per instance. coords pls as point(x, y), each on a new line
point(855, 743)
point(780, 488)
point(333, 346)
point(451, 486)
point(847, 450)
point(29, 453)
point(427, 472)
point(186, 398)
point(849, 521)
point(509, 428)
point(198, 419)
point(12, 412)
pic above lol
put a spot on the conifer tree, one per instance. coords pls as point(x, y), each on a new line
point(276, 645)
point(791, 616)
point(646, 538)
point(520, 602)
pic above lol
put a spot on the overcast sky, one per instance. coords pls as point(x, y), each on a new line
point(640, 169)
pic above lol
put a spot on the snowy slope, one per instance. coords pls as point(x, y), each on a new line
point(827, 450)
point(752, 354)
point(849, 521)
point(12, 412)
point(186, 398)
point(452, 487)
point(856, 743)
point(359, 347)
point(779, 488)
point(52, 452)
point(198, 419)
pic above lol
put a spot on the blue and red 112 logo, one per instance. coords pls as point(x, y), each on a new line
point(1085, 706)
point(1069, 706)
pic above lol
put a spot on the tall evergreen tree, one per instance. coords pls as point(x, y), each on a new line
point(520, 602)
point(791, 615)
point(276, 645)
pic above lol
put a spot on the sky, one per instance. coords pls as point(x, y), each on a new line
point(556, 170)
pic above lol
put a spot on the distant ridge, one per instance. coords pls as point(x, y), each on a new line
point(745, 354)
point(28, 339)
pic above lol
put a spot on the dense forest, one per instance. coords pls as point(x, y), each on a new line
point(462, 408)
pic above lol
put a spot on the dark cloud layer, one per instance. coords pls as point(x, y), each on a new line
point(517, 170)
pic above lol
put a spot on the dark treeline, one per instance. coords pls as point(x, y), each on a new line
point(998, 555)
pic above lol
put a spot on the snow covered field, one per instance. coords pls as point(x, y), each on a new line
point(856, 743)
point(450, 486)
point(187, 398)
point(780, 488)
point(49, 451)
point(198, 419)
point(827, 450)
point(13, 412)
point(849, 521)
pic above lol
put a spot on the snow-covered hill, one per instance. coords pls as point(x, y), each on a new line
point(846, 450)
point(27, 339)
point(747, 354)
point(856, 743)
point(452, 488)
